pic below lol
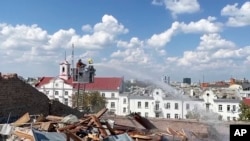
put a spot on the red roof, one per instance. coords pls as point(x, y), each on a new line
point(46, 80)
point(246, 101)
point(100, 83)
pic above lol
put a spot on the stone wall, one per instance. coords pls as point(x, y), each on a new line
point(18, 97)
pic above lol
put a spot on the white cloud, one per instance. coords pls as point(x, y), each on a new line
point(132, 55)
point(27, 43)
point(237, 16)
point(110, 25)
point(214, 41)
point(134, 42)
point(21, 36)
point(160, 40)
point(179, 6)
point(61, 39)
point(104, 33)
point(201, 26)
point(214, 56)
point(87, 28)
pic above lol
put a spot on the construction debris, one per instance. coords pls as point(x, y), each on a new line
point(88, 128)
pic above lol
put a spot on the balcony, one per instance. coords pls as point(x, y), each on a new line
point(157, 109)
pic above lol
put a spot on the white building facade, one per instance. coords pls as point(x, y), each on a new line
point(158, 105)
point(154, 104)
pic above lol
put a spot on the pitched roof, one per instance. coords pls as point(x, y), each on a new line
point(103, 83)
point(246, 101)
point(227, 100)
point(100, 83)
point(42, 81)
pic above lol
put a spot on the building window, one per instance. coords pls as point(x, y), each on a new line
point(112, 105)
point(176, 106)
point(176, 116)
point(103, 94)
point(63, 69)
point(139, 104)
point(66, 93)
point(112, 95)
point(124, 100)
point(56, 84)
point(146, 114)
point(56, 92)
point(146, 105)
point(234, 108)
point(168, 115)
point(228, 108)
point(66, 101)
point(168, 106)
point(187, 106)
point(124, 109)
point(157, 115)
point(220, 108)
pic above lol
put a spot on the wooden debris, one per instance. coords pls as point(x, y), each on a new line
point(92, 128)
point(22, 120)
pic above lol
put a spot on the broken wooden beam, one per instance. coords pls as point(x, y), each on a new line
point(99, 125)
point(71, 135)
point(144, 122)
point(22, 120)
point(24, 135)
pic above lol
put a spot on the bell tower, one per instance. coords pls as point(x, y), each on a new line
point(64, 72)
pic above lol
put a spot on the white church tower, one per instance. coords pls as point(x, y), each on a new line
point(64, 70)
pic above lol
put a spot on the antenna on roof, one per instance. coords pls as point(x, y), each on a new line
point(72, 58)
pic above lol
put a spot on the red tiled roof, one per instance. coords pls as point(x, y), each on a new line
point(46, 80)
point(103, 83)
point(43, 80)
point(246, 101)
point(100, 83)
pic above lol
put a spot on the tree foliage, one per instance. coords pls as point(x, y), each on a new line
point(193, 115)
point(245, 112)
point(90, 101)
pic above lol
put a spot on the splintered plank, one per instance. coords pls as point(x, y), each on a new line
point(144, 122)
point(72, 126)
point(24, 135)
point(73, 136)
point(99, 126)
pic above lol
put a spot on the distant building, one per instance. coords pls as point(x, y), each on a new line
point(149, 103)
point(62, 88)
point(166, 79)
point(187, 80)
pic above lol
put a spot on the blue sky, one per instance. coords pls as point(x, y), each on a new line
point(131, 38)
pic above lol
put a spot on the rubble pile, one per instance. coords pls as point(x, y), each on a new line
point(87, 128)
point(18, 97)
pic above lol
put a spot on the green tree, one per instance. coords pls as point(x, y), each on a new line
point(245, 112)
point(89, 101)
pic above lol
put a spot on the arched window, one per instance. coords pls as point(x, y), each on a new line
point(63, 69)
